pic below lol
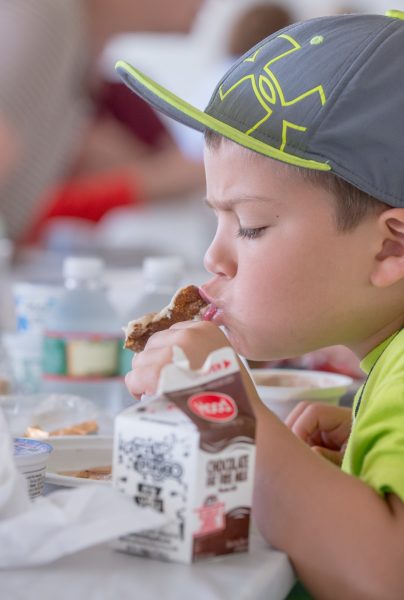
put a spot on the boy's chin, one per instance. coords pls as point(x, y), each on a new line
point(245, 349)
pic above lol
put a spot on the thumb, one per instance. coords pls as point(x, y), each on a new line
point(334, 456)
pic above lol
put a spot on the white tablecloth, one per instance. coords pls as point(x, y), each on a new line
point(101, 573)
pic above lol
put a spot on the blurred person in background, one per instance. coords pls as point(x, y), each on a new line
point(49, 129)
point(166, 160)
point(252, 24)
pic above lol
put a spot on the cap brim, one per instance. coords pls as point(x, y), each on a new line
point(175, 107)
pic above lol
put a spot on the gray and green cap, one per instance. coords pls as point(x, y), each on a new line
point(325, 94)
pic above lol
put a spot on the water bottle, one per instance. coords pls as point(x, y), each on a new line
point(162, 276)
point(82, 338)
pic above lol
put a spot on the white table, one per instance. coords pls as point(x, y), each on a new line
point(100, 573)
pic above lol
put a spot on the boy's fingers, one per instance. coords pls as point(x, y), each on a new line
point(320, 423)
point(161, 354)
point(146, 367)
point(295, 413)
point(144, 384)
point(307, 424)
point(184, 324)
point(169, 337)
point(334, 456)
point(317, 419)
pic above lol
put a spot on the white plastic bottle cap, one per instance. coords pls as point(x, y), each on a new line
point(82, 267)
point(163, 269)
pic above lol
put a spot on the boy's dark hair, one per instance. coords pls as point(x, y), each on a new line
point(351, 204)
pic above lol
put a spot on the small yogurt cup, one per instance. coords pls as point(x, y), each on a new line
point(31, 457)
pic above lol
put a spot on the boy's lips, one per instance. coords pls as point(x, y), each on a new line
point(209, 312)
point(212, 311)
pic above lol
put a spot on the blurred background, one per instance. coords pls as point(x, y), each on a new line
point(87, 166)
point(89, 169)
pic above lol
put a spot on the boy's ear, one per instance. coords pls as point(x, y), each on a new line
point(389, 262)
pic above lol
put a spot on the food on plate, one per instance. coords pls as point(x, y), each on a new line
point(186, 305)
point(103, 473)
point(84, 428)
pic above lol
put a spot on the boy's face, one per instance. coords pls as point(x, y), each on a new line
point(285, 281)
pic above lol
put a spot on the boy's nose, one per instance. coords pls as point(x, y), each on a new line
point(219, 261)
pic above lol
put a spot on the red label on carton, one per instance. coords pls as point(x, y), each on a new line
point(213, 407)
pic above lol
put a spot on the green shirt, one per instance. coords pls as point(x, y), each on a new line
point(375, 450)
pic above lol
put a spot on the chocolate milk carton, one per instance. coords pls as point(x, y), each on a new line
point(189, 454)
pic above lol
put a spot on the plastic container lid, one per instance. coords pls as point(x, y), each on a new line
point(27, 450)
point(82, 267)
point(163, 269)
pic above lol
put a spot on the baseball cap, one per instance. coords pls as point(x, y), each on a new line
point(325, 94)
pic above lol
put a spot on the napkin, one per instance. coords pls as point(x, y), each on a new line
point(47, 528)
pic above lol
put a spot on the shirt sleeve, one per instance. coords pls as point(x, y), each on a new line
point(88, 198)
point(377, 451)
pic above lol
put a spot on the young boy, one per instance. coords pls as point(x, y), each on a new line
point(304, 170)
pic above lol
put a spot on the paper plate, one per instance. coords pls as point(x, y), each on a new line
point(77, 453)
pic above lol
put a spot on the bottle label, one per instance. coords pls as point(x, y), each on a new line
point(78, 356)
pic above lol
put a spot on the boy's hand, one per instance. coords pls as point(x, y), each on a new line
point(196, 339)
point(325, 428)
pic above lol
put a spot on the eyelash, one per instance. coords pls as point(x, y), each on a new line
point(250, 233)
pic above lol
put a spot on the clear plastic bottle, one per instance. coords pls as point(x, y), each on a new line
point(162, 276)
point(83, 339)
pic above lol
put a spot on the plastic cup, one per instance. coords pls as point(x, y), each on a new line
point(31, 457)
point(32, 302)
point(24, 356)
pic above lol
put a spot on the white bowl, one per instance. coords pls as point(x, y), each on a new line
point(282, 389)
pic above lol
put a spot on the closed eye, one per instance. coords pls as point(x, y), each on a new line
point(250, 233)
